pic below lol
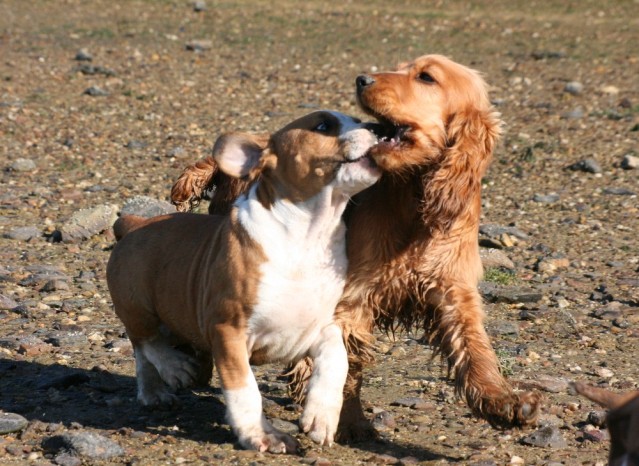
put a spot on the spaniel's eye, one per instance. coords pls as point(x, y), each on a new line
point(321, 127)
point(425, 77)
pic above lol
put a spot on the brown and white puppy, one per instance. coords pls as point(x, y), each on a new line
point(259, 285)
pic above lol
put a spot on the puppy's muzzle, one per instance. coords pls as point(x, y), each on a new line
point(363, 81)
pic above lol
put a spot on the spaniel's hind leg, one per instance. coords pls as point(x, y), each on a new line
point(456, 329)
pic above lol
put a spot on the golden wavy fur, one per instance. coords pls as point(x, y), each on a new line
point(412, 237)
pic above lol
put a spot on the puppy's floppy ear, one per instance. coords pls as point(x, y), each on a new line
point(188, 190)
point(455, 186)
point(238, 154)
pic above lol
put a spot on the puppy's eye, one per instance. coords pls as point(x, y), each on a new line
point(322, 127)
point(425, 77)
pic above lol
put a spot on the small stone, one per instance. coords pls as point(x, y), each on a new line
point(83, 55)
point(545, 437)
point(285, 426)
point(382, 459)
point(199, 45)
point(550, 265)
point(95, 91)
point(611, 90)
point(145, 206)
point(495, 259)
point(518, 460)
point(588, 165)
point(86, 223)
point(495, 231)
point(546, 384)
point(134, 144)
point(199, 6)
point(55, 285)
point(630, 162)
point(7, 303)
point(546, 198)
point(494, 293)
point(574, 88)
point(384, 420)
point(596, 435)
point(573, 114)
point(83, 444)
point(177, 152)
point(619, 191)
point(23, 233)
point(22, 165)
point(604, 372)
point(597, 418)
point(11, 422)
point(503, 327)
point(65, 459)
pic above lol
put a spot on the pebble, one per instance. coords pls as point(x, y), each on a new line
point(495, 231)
point(145, 206)
point(546, 198)
point(495, 259)
point(604, 372)
point(546, 384)
point(503, 327)
point(545, 437)
point(573, 114)
point(413, 403)
point(177, 152)
point(383, 459)
point(22, 165)
point(384, 420)
point(83, 55)
point(574, 88)
point(550, 265)
point(596, 435)
point(630, 162)
point(83, 444)
point(588, 165)
point(135, 144)
point(611, 90)
point(618, 191)
point(199, 5)
point(95, 91)
point(285, 426)
point(66, 339)
point(55, 284)
point(7, 303)
point(23, 233)
point(11, 422)
point(199, 45)
point(597, 418)
point(86, 223)
point(494, 293)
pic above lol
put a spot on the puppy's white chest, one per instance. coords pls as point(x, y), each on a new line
point(300, 283)
point(296, 299)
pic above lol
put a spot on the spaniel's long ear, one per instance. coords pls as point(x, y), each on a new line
point(189, 188)
point(453, 189)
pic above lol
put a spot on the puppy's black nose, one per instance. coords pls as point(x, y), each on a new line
point(362, 81)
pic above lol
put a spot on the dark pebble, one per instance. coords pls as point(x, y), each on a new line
point(588, 165)
point(83, 444)
point(546, 437)
point(619, 191)
point(597, 418)
point(95, 91)
point(23, 233)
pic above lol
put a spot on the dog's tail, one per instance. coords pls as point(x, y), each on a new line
point(189, 189)
point(127, 224)
point(602, 397)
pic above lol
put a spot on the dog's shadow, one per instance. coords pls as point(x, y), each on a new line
point(76, 398)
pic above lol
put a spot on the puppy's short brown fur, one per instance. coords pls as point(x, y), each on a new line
point(257, 285)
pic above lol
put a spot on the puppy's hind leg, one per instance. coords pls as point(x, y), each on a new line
point(176, 369)
point(152, 391)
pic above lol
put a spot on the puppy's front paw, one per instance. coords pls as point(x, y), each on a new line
point(178, 370)
point(158, 397)
point(320, 422)
point(272, 441)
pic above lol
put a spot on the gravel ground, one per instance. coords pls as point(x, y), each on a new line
point(103, 102)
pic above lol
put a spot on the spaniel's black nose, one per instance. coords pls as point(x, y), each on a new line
point(362, 81)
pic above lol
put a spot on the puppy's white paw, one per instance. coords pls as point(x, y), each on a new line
point(271, 440)
point(320, 421)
